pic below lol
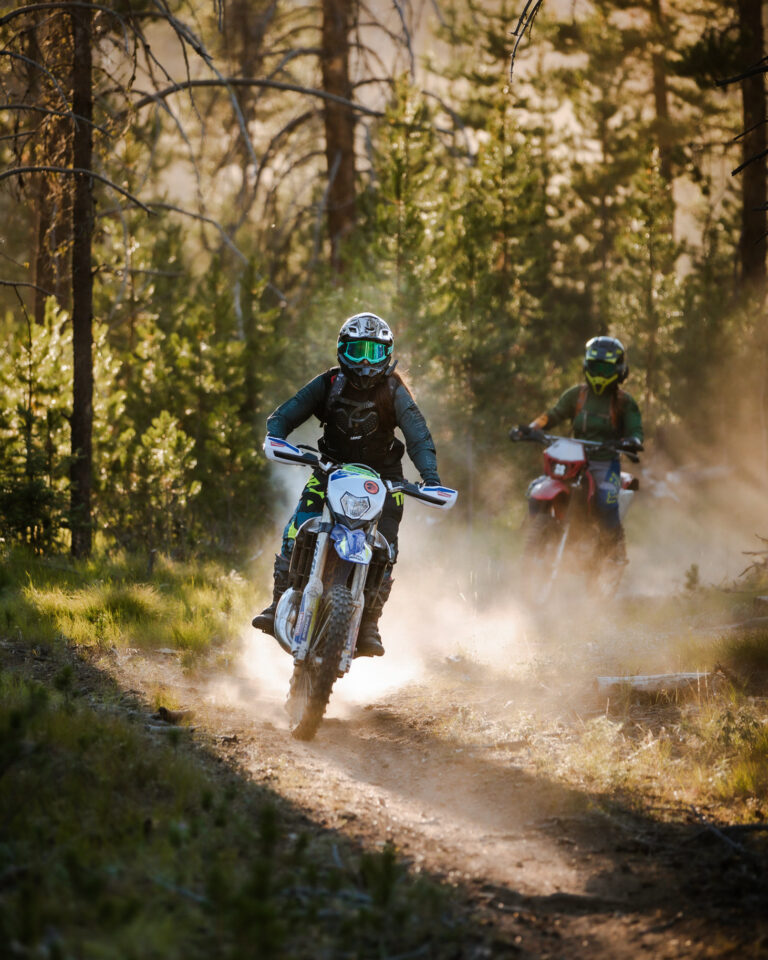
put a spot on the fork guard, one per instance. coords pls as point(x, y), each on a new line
point(287, 606)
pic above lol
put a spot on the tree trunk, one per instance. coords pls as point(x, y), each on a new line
point(339, 127)
point(753, 184)
point(661, 92)
point(82, 285)
point(46, 42)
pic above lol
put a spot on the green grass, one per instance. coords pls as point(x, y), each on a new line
point(115, 843)
point(709, 745)
point(119, 842)
point(115, 602)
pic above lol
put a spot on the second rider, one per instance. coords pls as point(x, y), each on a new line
point(599, 410)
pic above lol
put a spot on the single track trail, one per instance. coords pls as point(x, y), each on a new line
point(552, 870)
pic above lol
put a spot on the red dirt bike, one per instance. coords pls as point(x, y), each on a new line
point(564, 535)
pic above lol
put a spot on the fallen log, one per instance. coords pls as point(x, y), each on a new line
point(652, 683)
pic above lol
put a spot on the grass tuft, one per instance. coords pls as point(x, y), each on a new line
point(108, 602)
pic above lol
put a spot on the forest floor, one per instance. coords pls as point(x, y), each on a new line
point(471, 794)
point(447, 769)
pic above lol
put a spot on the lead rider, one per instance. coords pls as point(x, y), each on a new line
point(359, 404)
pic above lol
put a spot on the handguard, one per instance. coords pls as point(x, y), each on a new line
point(433, 494)
point(280, 451)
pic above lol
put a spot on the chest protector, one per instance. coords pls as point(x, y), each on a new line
point(360, 424)
point(616, 415)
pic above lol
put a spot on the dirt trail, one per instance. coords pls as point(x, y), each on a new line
point(556, 872)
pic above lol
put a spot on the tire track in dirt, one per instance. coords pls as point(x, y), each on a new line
point(554, 872)
point(483, 822)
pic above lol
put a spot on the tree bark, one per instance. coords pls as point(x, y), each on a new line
point(46, 41)
point(753, 183)
point(82, 285)
point(339, 127)
point(661, 92)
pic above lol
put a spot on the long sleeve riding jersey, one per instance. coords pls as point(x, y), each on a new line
point(358, 425)
point(613, 415)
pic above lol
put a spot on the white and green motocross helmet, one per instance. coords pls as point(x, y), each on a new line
point(365, 349)
point(605, 363)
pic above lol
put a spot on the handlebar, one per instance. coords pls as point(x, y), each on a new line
point(282, 451)
point(630, 449)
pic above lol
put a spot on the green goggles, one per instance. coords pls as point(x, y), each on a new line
point(371, 350)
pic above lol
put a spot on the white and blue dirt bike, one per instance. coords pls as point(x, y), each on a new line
point(338, 562)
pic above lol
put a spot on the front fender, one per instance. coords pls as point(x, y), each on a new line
point(547, 489)
point(351, 545)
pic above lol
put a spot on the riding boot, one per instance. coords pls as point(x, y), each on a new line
point(265, 621)
point(368, 638)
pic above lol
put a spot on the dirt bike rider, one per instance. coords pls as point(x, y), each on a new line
point(599, 410)
point(359, 403)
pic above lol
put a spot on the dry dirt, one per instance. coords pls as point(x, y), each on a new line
point(551, 870)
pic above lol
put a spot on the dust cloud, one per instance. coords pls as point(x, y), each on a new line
point(457, 593)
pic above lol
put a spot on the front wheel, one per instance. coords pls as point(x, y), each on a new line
point(540, 556)
point(609, 571)
point(313, 679)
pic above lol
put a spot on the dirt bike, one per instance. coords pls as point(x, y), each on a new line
point(564, 535)
point(338, 563)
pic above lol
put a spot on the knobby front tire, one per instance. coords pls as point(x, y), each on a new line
point(313, 680)
point(539, 552)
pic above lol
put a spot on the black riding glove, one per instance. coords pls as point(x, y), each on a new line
point(521, 432)
point(630, 445)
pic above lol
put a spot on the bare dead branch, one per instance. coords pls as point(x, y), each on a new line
point(20, 171)
point(187, 37)
point(214, 223)
point(289, 128)
point(438, 13)
point(524, 23)
point(203, 219)
point(22, 283)
point(744, 827)
point(406, 36)
point(67, 5)
point(760, 67)
point(20, 107)
point(37, 66)
point(19, 134)
point(183, 134)
point(252, 82)
point(743, 134)
point(741, 166)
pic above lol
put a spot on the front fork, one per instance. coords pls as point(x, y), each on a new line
point(310, 597)
point(310, 600)
point(358, 600)
point(558, 559)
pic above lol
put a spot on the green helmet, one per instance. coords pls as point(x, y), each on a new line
point(605, 363)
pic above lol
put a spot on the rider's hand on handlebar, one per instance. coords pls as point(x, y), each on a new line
point(630, 445)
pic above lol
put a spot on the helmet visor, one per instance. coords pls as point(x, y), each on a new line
point(355, 351)
point(603, 369)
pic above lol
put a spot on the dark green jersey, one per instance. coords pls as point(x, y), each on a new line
point(613, 415)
